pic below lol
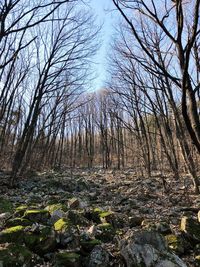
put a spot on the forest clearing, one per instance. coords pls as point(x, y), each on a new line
point(100, 133)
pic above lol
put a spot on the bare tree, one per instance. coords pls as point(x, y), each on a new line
point(184, 15)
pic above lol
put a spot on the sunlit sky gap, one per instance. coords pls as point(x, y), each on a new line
point(105, 17)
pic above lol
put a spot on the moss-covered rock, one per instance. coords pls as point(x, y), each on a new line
point(20, 210)
point(67, 235)
point(67, 259)
point(18, 221)
point(93, 215)
point(105, 232)
point(53, 207)
point(15, 255)
point(105, 214)
point(191, 227)
point(61, 224)
point(161, 227)
point(42, 242)
point(175, 243)
point(117, 220)
point(87, 246)
point(77, 218)
point(5, 205)
point(12, 234)
point(37, 216)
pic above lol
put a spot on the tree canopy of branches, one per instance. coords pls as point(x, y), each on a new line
point(167, 33)
point(45, 54)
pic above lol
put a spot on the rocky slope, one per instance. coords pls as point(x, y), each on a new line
point(98, 219)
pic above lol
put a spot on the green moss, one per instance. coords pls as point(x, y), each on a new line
point(105, 214)
point(51, 208)
point(39, 216)
point(12, 234)
point(13, 229)
point(22, 207)
point(18, 221)
point(36, 212)
point(98, 210)
point(61, 224)
point(5, 205)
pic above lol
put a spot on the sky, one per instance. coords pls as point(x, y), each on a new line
point(104, 14)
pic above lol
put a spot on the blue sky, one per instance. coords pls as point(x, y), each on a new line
point(103, 14)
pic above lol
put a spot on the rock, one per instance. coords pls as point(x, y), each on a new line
point(67, 234)
point(61, 224)
point(161, 227)
point(42, 241)
point(191, 227)
point(55, 207)
point(12, 235)
point(5, 216)
point(38, 216)
point(73, 203)
point(175, 243)
point(92, 215)
point(148, 249)
point(81, 185)
point(15, 255)
point(170, 263)
point(135, 221)
point(117, 220)
point(105, 232)
point(99, 257)
point(88, 245)
point(20, 210)
point(56, 215)
point(93, 196)
point(76, 218)
point(67, 259)
point(18, 221)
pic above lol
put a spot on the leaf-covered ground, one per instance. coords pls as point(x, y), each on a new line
point(70, 218)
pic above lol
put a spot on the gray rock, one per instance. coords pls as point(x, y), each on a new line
point(99, 257)
point(4, 216)
point(148, 249)
point(56, 215)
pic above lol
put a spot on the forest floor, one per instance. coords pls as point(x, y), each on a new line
point(121, 199)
